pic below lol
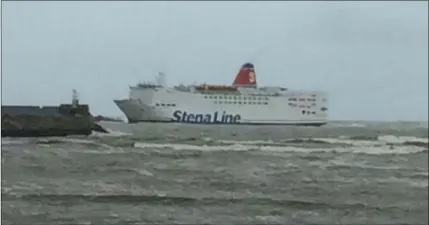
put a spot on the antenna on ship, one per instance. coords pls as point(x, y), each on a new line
point(75, 99)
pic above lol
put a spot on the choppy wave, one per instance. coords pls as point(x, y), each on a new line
point(362, 175)
point(386, 144)
point(186, 200)
point(111, 133)
point(240, 147)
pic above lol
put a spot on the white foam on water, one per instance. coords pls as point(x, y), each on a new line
point(345, 140)
point(360, 164)
point(68, 140)
point(334, 124)
point(401, 139)
point(240, 147)
point(74, 141)
point(252, 142)
point(234, 147)
point(144, 172)
point(382, 140)
point(423, 183)
point(15, 141)
point(111, 133)
point(327, 140)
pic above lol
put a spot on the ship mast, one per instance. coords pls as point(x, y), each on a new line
point(161, 79)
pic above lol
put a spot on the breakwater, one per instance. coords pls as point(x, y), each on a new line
point(39, 121)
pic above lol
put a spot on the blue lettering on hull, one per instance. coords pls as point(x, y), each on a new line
point(215, 118)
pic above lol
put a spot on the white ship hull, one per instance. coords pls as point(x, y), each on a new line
point(241, 103)
point(166, 105)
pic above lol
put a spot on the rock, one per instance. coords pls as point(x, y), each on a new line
point(98, 128)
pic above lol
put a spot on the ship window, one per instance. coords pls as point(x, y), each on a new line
point(313, 112)
point(239, 102)
point(302, 99)
point(157, 104)
point(220, 97)
point(173, 104)
point(303, 111)
point(167, 104)
point(162, 104)
point(265, 103)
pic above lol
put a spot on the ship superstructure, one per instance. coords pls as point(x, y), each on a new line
point(243, 102)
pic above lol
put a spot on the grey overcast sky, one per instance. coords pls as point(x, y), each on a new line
point(371, 57)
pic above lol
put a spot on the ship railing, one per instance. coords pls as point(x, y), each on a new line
point(148, 85)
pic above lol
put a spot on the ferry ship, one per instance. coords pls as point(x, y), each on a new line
point(243, 102)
